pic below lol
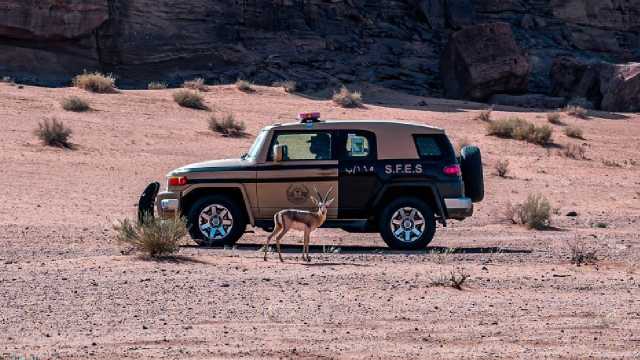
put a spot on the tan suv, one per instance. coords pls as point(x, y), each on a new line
point(390, 177)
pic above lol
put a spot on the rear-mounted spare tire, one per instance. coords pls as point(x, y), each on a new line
point(471, 166)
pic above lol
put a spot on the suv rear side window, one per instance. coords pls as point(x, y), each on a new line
point(434, 147)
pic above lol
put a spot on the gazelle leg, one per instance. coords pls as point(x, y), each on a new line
point(305, 248)
point(276, 229)
point(284, 231)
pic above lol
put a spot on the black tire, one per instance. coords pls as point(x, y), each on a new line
point(237, 228)
point(385, 226)
point(471, 166)
point(147, 201)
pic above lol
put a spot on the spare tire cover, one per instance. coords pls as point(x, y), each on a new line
point(471, 165)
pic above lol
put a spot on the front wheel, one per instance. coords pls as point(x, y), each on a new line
point(215, 221)
point(407, 224)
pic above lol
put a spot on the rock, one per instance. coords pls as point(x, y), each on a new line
point(539, 101)
point(622, 90)
point(600, 85)
point(51, 19)
point(572, 214)
point(483, 60)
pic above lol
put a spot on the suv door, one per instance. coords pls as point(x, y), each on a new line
point(310, 162)
point(358, 180)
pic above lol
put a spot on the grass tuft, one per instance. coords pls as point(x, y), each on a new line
point(289, 86)
point(75, 103)
point(485, 115)
point(502, 168)
point(244, 85)
point(520, 129)
point(54, 133)
point(574, 132)
point(227, 126)
point(535, 212)
point(189, 99)
point(195, 84)
point(154, 238)
point(576, 111)
point(575, 151)
point(157, 85)
point(347, 99)
point(95, 82)
point(554, 118)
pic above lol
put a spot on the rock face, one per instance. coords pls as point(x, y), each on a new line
point(392, 43)
point(611, 87)
point(483, 60)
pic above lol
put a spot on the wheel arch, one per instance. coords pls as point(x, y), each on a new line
point(428, 193)
point(235, 191)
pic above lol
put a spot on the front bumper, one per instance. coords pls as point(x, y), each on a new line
point(459, 208)
point(167, 204)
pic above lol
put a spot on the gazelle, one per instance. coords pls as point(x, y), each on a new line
point(306, 221)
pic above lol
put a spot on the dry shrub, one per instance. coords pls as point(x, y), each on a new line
point(157, 85)
point(7, 79)
point(554, 118)
point(575, 151)
point(189, 99)
point(502, 168)
point(75, 103)
point(576, 111)
point(535, 212)
point(455, 279)
point(347, 99)
point(520, 129)
point(580, 254)
point(485, 115)
point(195, 84)
point(153, 237)
point(442, 256)
point(289, 86)
point(227, 126)
point(611, 163)
point(54, 133)
point(244, 85)
point(95, 82)
point(574, 132)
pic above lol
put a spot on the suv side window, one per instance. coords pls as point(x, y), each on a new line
point(304, 145)
point(357, 146)
point(434, 147)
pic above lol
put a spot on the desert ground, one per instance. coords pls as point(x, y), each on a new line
point(67, 291)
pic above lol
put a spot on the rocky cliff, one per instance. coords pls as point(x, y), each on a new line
point(401, 44)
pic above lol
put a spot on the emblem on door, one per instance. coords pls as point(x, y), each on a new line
point(297, 194)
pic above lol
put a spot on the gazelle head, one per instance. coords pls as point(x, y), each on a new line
point(322, 202)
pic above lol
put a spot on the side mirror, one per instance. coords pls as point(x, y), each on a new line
point(278, 152)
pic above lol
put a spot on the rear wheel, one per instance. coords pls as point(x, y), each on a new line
point(216, 220)
point(407, 224)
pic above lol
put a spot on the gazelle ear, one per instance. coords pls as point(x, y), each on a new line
point(313, 199)
point(328, 202)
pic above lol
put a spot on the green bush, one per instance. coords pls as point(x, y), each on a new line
point(154, 237)
point(95, 82)
point(75, 103)
point(189, 99)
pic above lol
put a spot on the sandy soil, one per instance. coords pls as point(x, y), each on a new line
point(67, 292)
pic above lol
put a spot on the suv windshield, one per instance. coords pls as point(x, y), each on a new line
point(257, 145)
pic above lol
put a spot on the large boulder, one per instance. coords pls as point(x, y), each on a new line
point(51, 19)
point(483, 60)
point(538, 101)
point(621, 88)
